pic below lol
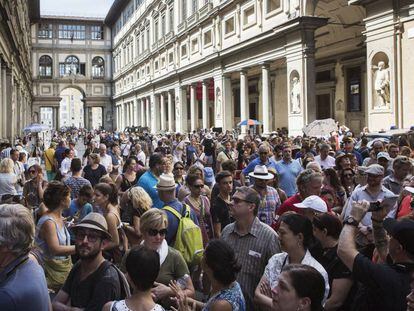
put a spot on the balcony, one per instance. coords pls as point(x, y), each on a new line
point(192, 19)
point(205, 10)
point(181, 27)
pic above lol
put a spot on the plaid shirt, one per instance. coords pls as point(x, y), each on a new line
point(268, 205)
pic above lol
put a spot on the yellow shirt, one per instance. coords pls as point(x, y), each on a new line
point(49, 158)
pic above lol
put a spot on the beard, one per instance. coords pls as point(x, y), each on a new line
point(86, 253)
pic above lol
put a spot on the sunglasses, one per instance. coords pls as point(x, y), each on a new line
point(348, 175)
point(155, 232)
point(198, 186)
point(238, 200)
point(80, 236)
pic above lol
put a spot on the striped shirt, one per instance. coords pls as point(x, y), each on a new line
point(269, 204)
point(253, 251)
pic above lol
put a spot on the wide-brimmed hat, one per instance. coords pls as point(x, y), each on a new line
point(166, 182)
point(261, 172)
point(313, 202)
point(403, 231)
point(96, 222)
point(342, 155)
point(208, 136)
point(375, 169)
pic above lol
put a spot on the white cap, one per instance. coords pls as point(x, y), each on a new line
point(313, 202)
point(383, 155)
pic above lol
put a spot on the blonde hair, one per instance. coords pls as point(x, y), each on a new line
point(153, 218)
point(6, 165)
point(95, 158)
point(140, 199)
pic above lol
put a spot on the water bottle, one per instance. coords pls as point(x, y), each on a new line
point(182, 281)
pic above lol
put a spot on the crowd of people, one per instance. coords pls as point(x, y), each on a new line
point(207, 221)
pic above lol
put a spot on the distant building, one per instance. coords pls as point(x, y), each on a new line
point(72, 70)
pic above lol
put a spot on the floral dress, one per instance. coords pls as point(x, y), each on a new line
point(233, 295)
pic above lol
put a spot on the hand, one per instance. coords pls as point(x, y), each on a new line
point(265, 289)
point(160, 291)
point(359, 209)
point(185, 305)
point(380, 214)
point(176, 289)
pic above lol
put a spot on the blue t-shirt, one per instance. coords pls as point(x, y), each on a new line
point(149, 182)
point(23, 287)
point(288, 172)
point(74, 208)
point(250, 168)
point(173, 221)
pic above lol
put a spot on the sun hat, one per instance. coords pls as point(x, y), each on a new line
point(375, 169)
point(261, 172)
point(208, 136)
point(166, 182)
point(313, 202)
point(401, 230)
point(96, 222)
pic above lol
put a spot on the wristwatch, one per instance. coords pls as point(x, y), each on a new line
point(351, 221)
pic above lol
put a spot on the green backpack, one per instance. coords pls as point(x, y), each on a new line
point(188, 240)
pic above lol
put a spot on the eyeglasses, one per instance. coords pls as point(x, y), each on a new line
point(238, 200)
point(80, 236)
point(154, 232)
point(198, 186)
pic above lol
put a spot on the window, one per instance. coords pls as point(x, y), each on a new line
point(162, 62)
point(207, 38)
point(162, 25)
point(171, 57)
point(71, 66)
point(195, 6)
point(183, 50)
point(138, 3)
point(272, 5)
point(156, 65)
point(183, 10)
point(45, 66)
point(229, 26)
point(142, 42)
point(171, 19)
point(156, 31)
point(45, 31)
point(194, 45)
point(97, 32)
point(148, 38)
point(72, 32)
point(128, 12)
point(98, 67)
point(249, 16)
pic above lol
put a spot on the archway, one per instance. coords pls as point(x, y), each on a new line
point(71, 108)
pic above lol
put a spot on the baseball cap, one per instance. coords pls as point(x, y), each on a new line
point(383, 155)
point(403, 231)
point(313, 202)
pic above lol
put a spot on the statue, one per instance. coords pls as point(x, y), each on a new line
point(218, 103)
point(295, 95)
point(382, 86)
point(177, 108)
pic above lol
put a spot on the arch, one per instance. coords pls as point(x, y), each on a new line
point(72, 64)
point(71, 112)
point(98, 67)
point(45, 66)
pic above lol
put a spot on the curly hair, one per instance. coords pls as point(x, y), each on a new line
point(140, 199)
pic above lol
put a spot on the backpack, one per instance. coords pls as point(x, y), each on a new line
point(188, 240)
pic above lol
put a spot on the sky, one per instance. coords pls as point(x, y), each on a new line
point(81, 8)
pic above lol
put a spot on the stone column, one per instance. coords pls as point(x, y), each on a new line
point(206, 121)
point(266, 98)
point(142, 107)
point(244, 100)
point(4, 98)
point(193, 107)
point(155, 112)
point(136, 110)
point(180, 109)
point(86, 116)
point(162, 113)
point(170, 112)
point(148, 111)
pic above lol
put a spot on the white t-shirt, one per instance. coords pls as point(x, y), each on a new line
point(142, 157)
point(65, 167)
point(106, 161)
point(329, 162)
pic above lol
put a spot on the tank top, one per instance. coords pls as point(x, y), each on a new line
point(121, 306)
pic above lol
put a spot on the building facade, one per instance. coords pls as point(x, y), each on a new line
point(15, 65)
point(182, 65)
point(72, 69)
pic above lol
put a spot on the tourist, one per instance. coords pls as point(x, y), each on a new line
point(75, 182)
point(81, 206)
point(94, 170)
point(18, 170)
point(263, 159)
point(8, 178)
point(324, 159)
point(149, 179)
point(220, 207)
point(22, 280)
point(65, 165)
point(401, 168)
point(105, 159)
point(34, 188)
point(93, 281)
point(253, 241)
point(295, 234)
point(288, 170)
point(50, 162)
point(128, 178)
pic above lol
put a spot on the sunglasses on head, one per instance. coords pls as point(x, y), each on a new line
point(155, 232)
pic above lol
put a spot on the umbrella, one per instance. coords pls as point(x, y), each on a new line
point(320, 128)
point(36, 127)
point(249, 122)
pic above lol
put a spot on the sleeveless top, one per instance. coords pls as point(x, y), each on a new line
point(126, 184)
point(120, 305)
point(233, 295)
point(62, 235)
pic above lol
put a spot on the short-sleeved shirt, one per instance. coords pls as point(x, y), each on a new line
point(95, 290)
point(94, 175)
point(329, 162)
point(289, 205)
point(149, 182)
point(106, 161)
point(23, 286)
point(250, 167)
point(385, 287)
point(49, 157)
point(7, 183)
point(253, 250)
point(269, 204)
point(288, 172)
point(75, 184)
point(220, 212)
point(392, 184)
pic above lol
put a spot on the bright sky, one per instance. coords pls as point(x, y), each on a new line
point(81, 8)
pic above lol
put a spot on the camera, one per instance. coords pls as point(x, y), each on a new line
point(374, 206)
